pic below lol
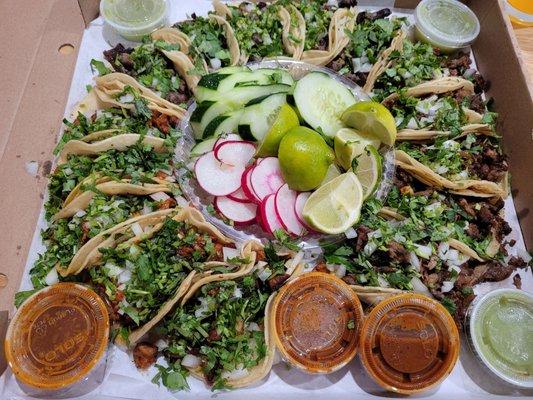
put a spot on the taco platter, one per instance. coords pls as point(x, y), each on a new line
point(266, 148)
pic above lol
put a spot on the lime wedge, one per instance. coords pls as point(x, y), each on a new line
point(371, 118)
point(331, 173)
point(285, 120)
point(369, 170)
point(349, 144)
point(336, 206)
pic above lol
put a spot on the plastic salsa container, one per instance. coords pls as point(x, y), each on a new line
point(446, 24)
point(317, 320)
point(57, 340)
point(409, 343)
point(133, 19)
point(499, 326)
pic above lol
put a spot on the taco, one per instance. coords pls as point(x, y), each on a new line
point(145, 266)
point(121, 90)
point(90, 213)
point(342, 21)
point(93, 120)
point(150, 65)
point(264, 29)
point(372, 39)
point(125, 156)
point(211, 45)
point(227, 314)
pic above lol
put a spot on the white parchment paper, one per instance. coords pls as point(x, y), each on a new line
point(468, 380)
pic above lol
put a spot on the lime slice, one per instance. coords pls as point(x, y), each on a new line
point(371, 118)
point(350, 144)
point(285, 120)
point(369, 170)
point(331, 173)
point(336, 206)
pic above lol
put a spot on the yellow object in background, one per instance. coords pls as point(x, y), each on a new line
point(520, 11)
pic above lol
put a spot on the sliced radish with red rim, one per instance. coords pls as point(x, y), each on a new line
point(235, 152)
point(266, 177)
point(247, 186)
point(239, 195)
point(230, 137)
point(239, 212)
point(284, 202)
point(217, 178)
point(269, 218)
point(301, 199)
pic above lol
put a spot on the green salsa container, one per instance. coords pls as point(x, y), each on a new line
point(134, 19)
point(446, 24)
point(499, 326)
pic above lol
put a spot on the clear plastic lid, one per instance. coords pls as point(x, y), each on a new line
point(447, 22)
point(409, 343)
point(57, 336)
point(500, 332)
point(317, 319)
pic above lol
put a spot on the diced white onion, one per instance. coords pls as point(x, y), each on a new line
point(398, 120)
point(159, 196)
point(113, 270)
point(332, 3)
point(252, 327)
point(68, 171)
point(399, 238)
point(469, 72)
point(414, 260)
point(127, 98)
point(32, 167)
point(202, 310)
point(235, 374)
point(441, 169)
point(191, 361)
point(293, 263)
point(124, 277)
point(442, 250)
point(215, 63)
point(137, 229)
point(340, 271)
point(423, 251)
point(455, 268)
point(412, 123)
point(229, 252)
point(524, 255)
point(170, 179)
point(237, 293)
point(266, 39)
point(161, 344)
point(51, 277)
point(382, 282)
point(80, 213)
point(350, 233)
point(146, 209)
point(261, 265)
point(447, 286)
point(418, 286)
point(264, 274)
point(452, 255)
point(370, 248)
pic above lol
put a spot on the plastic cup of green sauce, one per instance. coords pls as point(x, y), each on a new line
point(500, 331)
point(446, 24)
point(133, 19)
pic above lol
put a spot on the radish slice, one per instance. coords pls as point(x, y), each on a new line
point(230, 137)
point(266, 177)
point(238, 212)
point(217, 178)
point(235, 152)
point(285, 202)
point(247, 185)
point(271, 222)
point(299, 207)
point(239, 195)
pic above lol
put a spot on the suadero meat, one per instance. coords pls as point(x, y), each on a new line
point(362, 237)
point(321, 267)
point(371, 16)
point(517, 281)
point(398, 253)
point(214, 335)
point(489, 164)
point(144, 355)
point(457, 64)
point(486, 218)
point(343, 60)
point(477, 104)
point(347, 3)
point(119, 58)
point(163, 122)
point(349, 279)
point(166, 204)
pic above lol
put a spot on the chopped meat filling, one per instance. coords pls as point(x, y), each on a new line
point(144, 355)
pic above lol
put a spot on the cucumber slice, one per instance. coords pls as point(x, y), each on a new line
point(321, 100)
point(232, 69)
point(227, 123)
point(206, 111)
point(258, 117)
point(204, 146)
point(243, 94)
point(277, 75)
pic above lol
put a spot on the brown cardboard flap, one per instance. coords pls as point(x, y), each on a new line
point(89, 10)
point(35, 80)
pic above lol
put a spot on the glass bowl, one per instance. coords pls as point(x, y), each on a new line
point(202, 200)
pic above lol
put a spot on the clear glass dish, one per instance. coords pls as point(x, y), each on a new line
point(200, 199)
